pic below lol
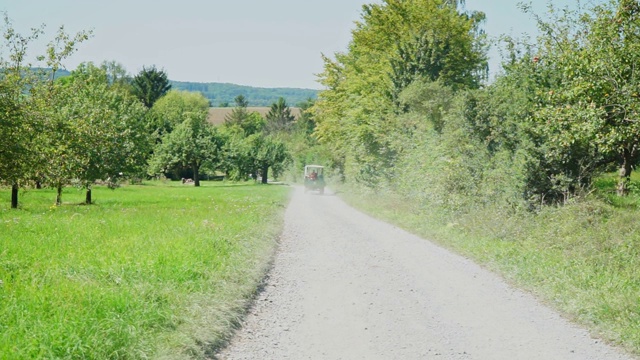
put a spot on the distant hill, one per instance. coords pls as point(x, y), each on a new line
point(217, 114)
point(220, 94)
point(62, 73)
point(46, 72)
point(223, 93)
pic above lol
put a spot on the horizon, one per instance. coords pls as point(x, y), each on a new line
point(249, 43)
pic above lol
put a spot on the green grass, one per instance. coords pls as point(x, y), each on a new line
point(606, 186)
point(150, 271)
point(583, 258)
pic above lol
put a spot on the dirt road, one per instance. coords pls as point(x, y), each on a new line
point(346, 286)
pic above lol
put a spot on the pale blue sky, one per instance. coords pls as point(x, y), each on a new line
point(275, 43)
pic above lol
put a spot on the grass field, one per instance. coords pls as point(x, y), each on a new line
point(150, 271)
point(583, 258)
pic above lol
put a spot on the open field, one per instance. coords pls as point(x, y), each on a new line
point(217, 114)
point(583, 258)
point(151, 271)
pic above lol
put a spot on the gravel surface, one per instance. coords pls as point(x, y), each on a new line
point(347, 286)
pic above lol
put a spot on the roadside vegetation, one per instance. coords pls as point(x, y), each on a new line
point(158, 270)
point(529, 174)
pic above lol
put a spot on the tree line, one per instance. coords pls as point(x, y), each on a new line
point(99, 124)
point(409, 107)
point(223, 95)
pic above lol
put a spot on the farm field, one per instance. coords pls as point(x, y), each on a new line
point(159, 270)
point(216, 115)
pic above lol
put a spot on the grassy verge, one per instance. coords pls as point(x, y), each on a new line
point(150, 271)
point(583, 259)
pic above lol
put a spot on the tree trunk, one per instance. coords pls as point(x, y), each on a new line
point(14, 196)
point(196, 175)
point(265, 173)
point(59, 195)
point(625, 173)
point(87, 199)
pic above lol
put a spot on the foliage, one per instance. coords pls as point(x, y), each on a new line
point(27, 96)
point(169, 110)
point(268, 152)
point(396, 43)
point(251, 122)
point(279, 118)
point(237, 161)
point(239, 113)
point(597, 103)
point(111, 123)
point(430, 56)
point(95, 131)
point(556, 117)
point(254, 145)
point(192, 143)
point(484, 169)
point(15, 147)
point(117, 75)
point(150, 85)
point(15, 124)
point(306, 122)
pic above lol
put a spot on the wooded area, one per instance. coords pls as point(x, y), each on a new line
point(409, 106)
point(223, 94)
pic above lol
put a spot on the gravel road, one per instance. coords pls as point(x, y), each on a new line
point(347, 286)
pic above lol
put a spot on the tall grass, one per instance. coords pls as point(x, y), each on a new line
point(582, 258)
point(150, 271)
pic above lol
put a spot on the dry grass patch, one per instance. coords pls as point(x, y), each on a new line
point(217, 114)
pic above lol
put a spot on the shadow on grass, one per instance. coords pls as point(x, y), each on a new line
point(203, 184)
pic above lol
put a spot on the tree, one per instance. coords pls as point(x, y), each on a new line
point(396, 42)
point(59, 147)
point(306, 122)
point(94, 130)
point(237, 162)
point(250, 122)
point(188, 140)
point(239, 114)
point(14, 148)
point(110, 122)
point(169, 111)
point(192, 144)
point(279, 118)
point(150, 85)
point(24, 104)
point(117, 75)
point(267, 152)
point(596, 104)
point(16, 127)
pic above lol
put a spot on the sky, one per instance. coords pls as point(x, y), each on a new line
point(274, 43)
